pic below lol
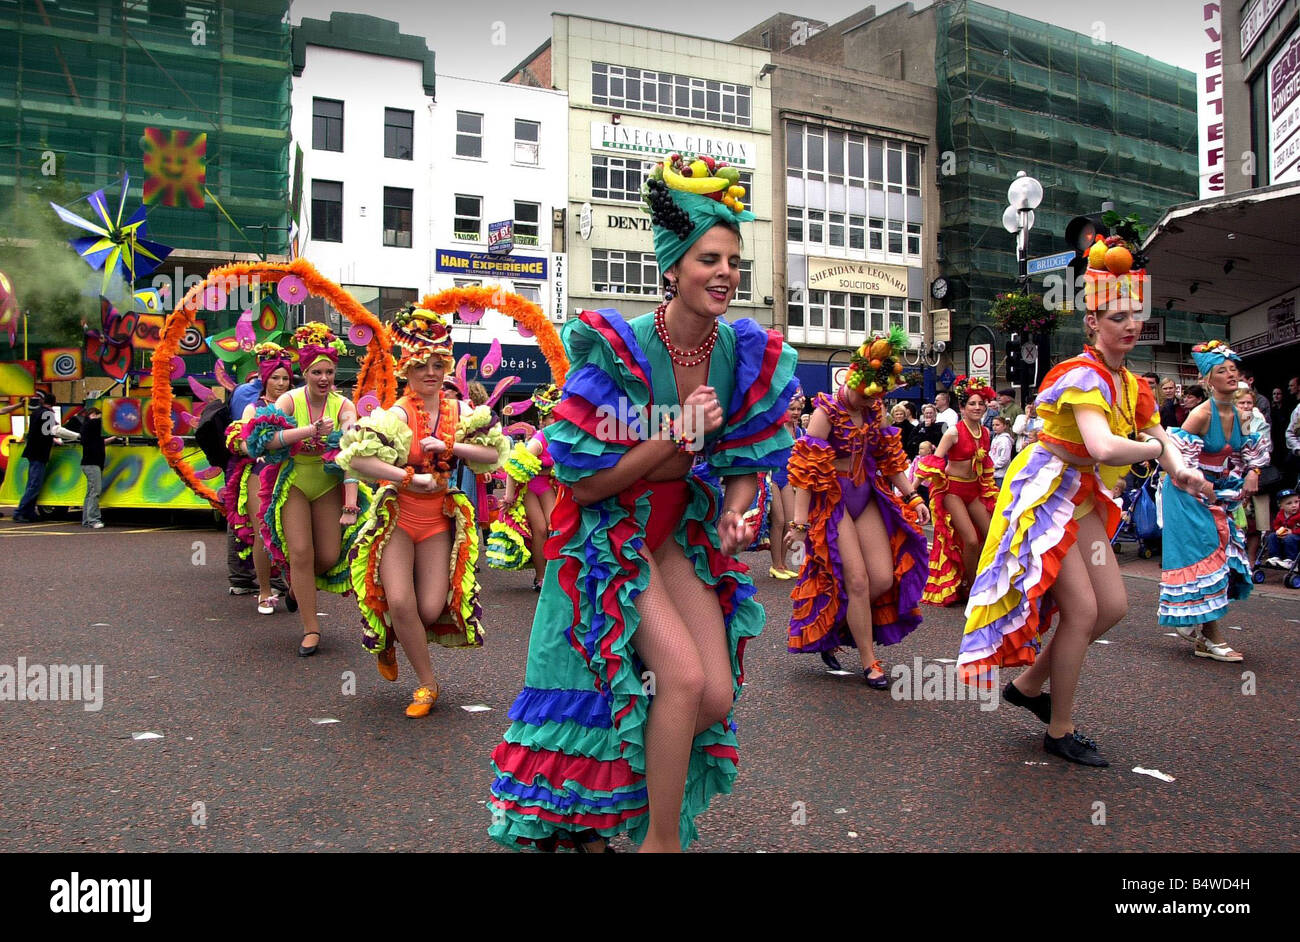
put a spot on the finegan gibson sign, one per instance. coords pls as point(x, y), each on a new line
point(646, 142)
point(836, 274)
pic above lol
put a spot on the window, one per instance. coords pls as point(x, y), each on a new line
point(896, 235)
point(747, 181)
point(815, 228)
point(392, 300)
point(837, 229)
point(528, 135)
point(877, 305)
point(913, 238)
point(398, 133)
point(621, 272)
point(857, 314)
point(469, 218)
point(896, 306)
point(529, 290)
point(526, 223)
point(794, 223)
point(397, 217)
point(326, 124)
point(469, 134)
point(628, 89)
point(745, 290)
point(794, 307)
point(914, 317)
point(617, 178)
point(857, 232)
point(765, 39)
point(326, 211)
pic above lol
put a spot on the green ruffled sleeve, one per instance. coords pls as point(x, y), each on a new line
point(480, 427)
point(383, 434)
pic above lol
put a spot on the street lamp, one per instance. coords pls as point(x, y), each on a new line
point(1024, 195)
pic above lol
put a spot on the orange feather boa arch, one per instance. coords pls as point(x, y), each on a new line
point(517, 308)
point(376, 374)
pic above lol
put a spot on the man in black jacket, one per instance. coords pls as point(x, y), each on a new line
point(42, 429)
point(92, 465)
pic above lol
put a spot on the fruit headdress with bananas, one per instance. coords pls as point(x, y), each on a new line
point(1116, 265)
point(420, 335)
point(546, 398)
point(1210, 354)
point(314, 342)
point(877, 367)
point(686, 197)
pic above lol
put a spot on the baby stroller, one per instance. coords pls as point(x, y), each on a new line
point(1138, 519)
point(1292, 569)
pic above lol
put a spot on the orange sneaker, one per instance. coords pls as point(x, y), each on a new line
point(386, 660)
point(422, 701)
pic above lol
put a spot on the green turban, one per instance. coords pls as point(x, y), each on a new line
point(704, 213)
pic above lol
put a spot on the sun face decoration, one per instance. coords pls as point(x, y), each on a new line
point(173, 166)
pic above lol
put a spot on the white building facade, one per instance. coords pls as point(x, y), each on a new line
point(636, 95)
point(407, 173)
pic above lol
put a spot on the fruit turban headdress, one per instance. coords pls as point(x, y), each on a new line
point(421, 334)
point(1210, 354)
point(270, 357)
point(1116, 270)
point(546, 398)
point(963, 387)
point(315, 341)
point(687, 196)
point(877, 367)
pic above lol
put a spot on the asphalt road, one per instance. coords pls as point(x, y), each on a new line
point(826, 763)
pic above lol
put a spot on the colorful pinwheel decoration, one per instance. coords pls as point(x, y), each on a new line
point(111, 346)
point(119, 248)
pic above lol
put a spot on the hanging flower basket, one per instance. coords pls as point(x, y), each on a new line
point(1022, 314)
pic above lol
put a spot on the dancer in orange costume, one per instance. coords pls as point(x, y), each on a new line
point(864, 566)
point(962, 492)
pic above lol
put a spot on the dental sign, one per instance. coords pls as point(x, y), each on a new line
point(654, 144)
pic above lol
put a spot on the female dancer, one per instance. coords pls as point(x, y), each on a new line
point(309, 511)
point(412, 568)
point(242, 493)
point(962, 491)
point(1052, 525)
point(644, 597)
point(865, 560)
point(532, 466)
point(1204, 551)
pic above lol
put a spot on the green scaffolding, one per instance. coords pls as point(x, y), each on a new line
point(1089, 119)
point(82, 79)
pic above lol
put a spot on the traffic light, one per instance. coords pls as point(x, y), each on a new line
point(1015, 365)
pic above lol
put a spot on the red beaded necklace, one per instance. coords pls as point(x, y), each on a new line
point(676, 354)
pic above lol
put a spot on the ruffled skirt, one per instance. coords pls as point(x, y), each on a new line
point(820, 600)
point(1203, 557)
point(573, 758)
point(1034, 525)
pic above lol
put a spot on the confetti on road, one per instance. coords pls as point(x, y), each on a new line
point(1154, 773)
point(1235, 627)
point(944, 660)
point(853, 834)
point(1101, 641)
point(324, 720)
point(101, 624)
point(146, 735)
point(1038, 763)
point(841, 810)
point(841, 673)
point(477, 708)
point(1171, 634)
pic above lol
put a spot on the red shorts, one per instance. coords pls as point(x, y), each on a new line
point(967, 491)
point(420, 516)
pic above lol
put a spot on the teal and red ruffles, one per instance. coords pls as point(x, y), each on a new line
point(573, 759)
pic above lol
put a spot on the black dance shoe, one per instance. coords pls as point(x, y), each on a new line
point(1040, 706)
point(831, 661)
point(1075, 748)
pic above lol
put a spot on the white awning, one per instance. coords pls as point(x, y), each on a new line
point(1255, 235)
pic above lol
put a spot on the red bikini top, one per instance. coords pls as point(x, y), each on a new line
point(966, 446)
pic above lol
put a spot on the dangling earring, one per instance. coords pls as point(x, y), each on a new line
point(670, 291)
